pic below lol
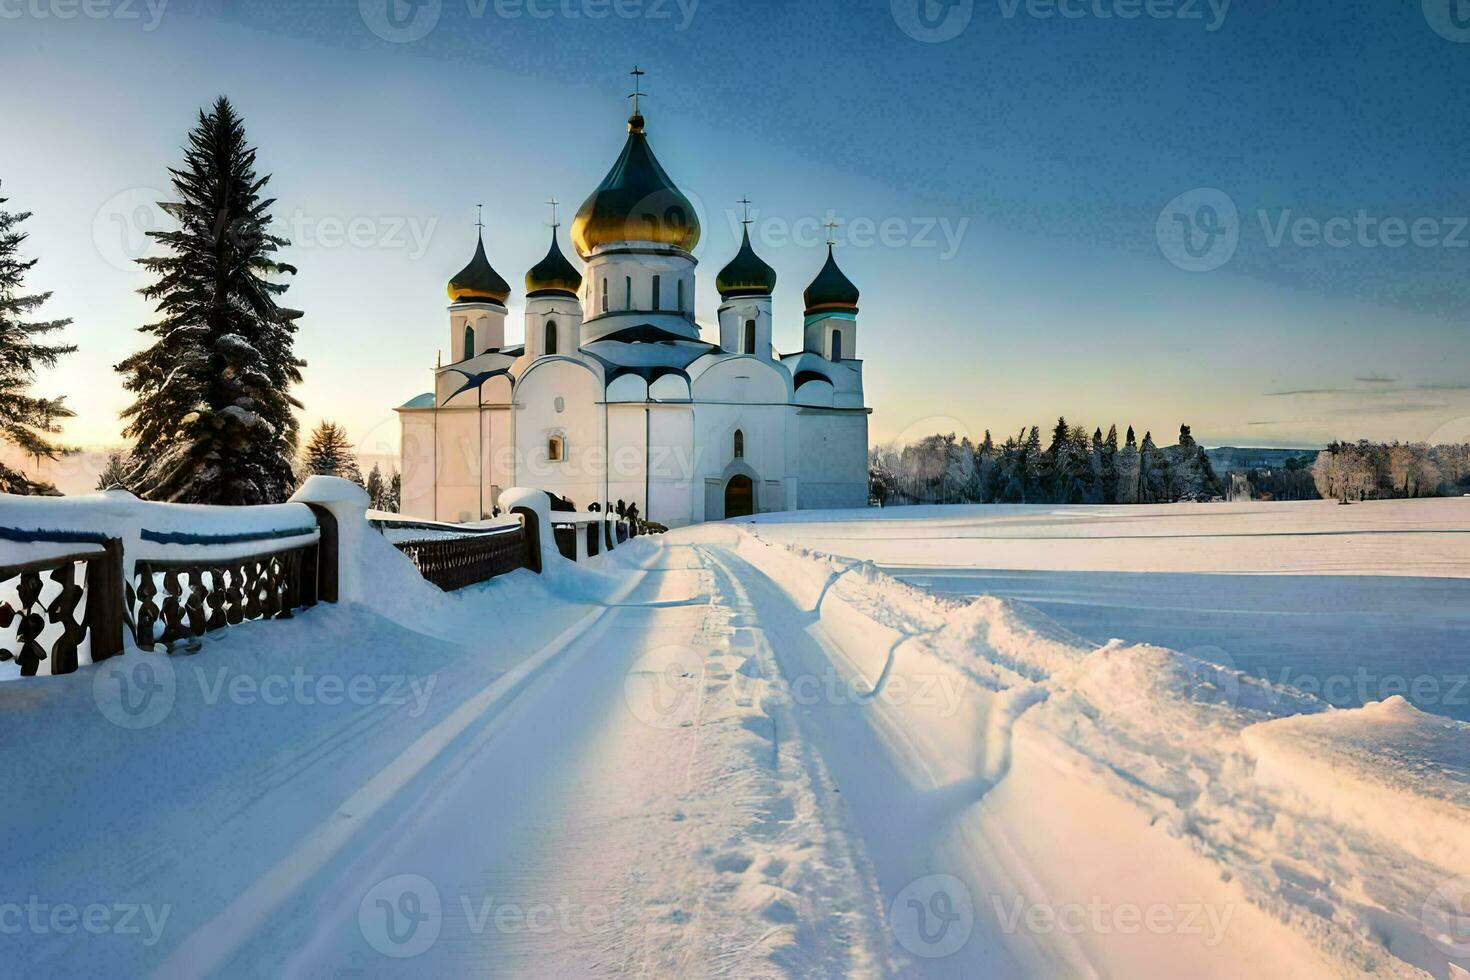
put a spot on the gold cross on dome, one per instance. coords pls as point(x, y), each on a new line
point(831, 227)
point(745, 203)
point(553, 202)
point(480, 216)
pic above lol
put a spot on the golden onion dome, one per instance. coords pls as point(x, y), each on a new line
point(831, 291)
point(636, 202)
point(553, 275)
point(478, 282)
point(746, 275)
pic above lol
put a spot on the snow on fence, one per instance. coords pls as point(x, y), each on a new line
point(74, 571)
point(453, 559)
point(48, 612)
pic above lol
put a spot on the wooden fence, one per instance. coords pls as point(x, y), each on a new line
point(455, 562)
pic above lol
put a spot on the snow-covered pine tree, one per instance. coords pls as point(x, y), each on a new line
point(395, 493)
point(1153, 475)
point(1108, 464)
point(116, 473)
point(375, 487)
point(26, 421)
point(329, 453)
point(214, 416)
point(1128, 468)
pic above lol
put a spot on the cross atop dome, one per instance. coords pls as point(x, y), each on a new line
point(637, 92)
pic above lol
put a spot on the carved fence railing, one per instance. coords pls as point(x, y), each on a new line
point(61, 610)
point(455, 562)
point(172, 600)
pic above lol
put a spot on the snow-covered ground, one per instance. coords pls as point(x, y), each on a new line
point(1352, 604)
point(726, 752)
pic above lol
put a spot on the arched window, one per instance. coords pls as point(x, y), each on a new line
point(656, 291)
point(681, 295)
point(627, 292)
point(556, 449)
point(469, 342)
point(739, 444)
point(747, 342)
point(837, 345)
point(604, 294)
point(550, 337)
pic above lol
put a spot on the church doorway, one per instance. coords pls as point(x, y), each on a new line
point(739, 496)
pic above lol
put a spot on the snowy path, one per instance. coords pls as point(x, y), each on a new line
point(619, 803)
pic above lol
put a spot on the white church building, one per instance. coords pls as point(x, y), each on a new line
point(617, 394)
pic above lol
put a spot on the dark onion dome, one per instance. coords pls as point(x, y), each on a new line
point(746, 275)
point(636, 202)
point(478, 282)
point(553, 275)
point(831, 291)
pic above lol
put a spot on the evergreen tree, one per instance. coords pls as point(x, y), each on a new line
point(329, 453)
point(395, 493)
point(1108, 466)
point(1127, 467)
point(1032, 489)
point(213, 417)
point(375, 487)
point(1153, 477)
point(116, 473)
point(26, 421)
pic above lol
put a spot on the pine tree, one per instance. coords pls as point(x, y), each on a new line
point(329, 453)
point(1127, 471)
point(116, 473)
point(213, 416)
point(395, 493)
point(1108, 465)
point(375, 487)
point(25, 420)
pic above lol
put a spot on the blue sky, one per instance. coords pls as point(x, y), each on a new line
point(1251, 217)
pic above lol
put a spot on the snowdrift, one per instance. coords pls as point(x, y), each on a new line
point(1141, 775)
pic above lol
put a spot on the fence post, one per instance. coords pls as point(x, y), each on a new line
point(319, 572)
point(105, 600)
point(534, 508)
point(343, 531)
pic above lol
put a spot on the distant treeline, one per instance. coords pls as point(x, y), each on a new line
point(1375, 470)
point(1074, 468)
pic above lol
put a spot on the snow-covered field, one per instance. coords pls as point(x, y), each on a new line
point(1351, 604)
point(746, 750)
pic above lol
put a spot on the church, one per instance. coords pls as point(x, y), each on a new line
point(617, 394)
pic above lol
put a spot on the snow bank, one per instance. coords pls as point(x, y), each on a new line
point(1267, 802)
point(1387, 768)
